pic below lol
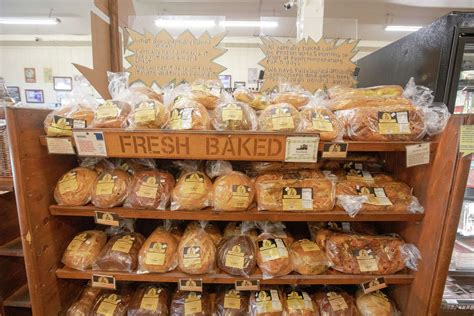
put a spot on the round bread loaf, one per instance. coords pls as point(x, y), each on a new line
point(148, 114)
point(196, 252)
point(237, 255)
point(112, 114)
point(299, 303)
point(193, 191)
point(307, 258)
point(120, 253)
point(267, 302)
point(187, 114)
point(111, 188)
point(335, 302)
point(83, 306)
point(150, 189)
point(159, 252)
point(231, 302)
point(75, 187)
point(272, 256)
point(233, 192)
point(83, 249)
point(235, 116)
point(61, 122)
point(375, 304)
point(111, 304)
point(211, 229)
point(281, 117)
point(150, 93)
point(191, 304)
point(322, 121)
point(298, 100)
point(235, 229)
point(149, 300)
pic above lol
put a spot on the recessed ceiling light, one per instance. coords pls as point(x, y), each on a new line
point(179, 23)
point(29, 21)
point(269, 24)
point(402, 28)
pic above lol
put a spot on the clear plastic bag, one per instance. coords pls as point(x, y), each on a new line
point(192, 192)
point(111, 188)
point(209, 227)
point(307, 258)
point(257, 100)
point(280, 117)
point(75, 187)
point(206, 92)
point(266, 166)
point(83, 306)
point(299, 303)
point(317, 118)
point(237, 228)
point(375, 304)
point(148, 92)
point(216, 168)
point(277, 229)
point(197, 251)
point(333, 301)
point(230, 115)
point(230, 302)
point(232, 191)
point(83, 249)
point(268, 301)
point(111, 303)
point(159, 251)
point(293, 95)
point(147, 114)
point(135, 164)
point(150, 300)
point(191, 304)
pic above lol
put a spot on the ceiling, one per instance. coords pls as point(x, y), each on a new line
point(362, 19)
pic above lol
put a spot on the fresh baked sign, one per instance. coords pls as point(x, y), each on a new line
point(310, 64)
point(163, 59)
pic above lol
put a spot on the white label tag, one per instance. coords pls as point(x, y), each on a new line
point(302, 149)
point(58, 145)
point(452, 301)
point(418, 154)
point(90, 144)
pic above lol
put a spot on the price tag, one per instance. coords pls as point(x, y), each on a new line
point(60, 145)
point(335, 150)
point(90, 143)
point(104, 281)
point(107, 218)
point(247, 285)
point(466, 140)
point(452, 301)
point(418, 154)
point(373, 285)
point(190, 285)
point(302, 149)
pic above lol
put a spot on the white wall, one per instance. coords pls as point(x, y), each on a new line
point(13, 59)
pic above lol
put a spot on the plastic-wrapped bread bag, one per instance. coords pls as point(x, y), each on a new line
point(299, 303)
point(196, 251)
point(111, 188)
point(237, 228)
point(75, 187)
point(375, 304)
point(280, 117)
point(293, 95)
point(148, 92)
point(268, 301)
point(307, 258)
point(149, 300)
point(206, 92)
point(256, 100)
point(159, 251)
point(191, 304)
point(83, 249)
point(193, 190)
point(230, 302)
point(332, 301)
point(209, 227)
point(273, 258)
point(114, 113)
point(147, 113)
point(231, 115)
point(83, 306)
point(111, 303)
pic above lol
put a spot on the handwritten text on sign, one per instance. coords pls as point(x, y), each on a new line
point(164, 59)
point(312, 65)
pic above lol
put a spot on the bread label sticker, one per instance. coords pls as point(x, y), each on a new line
point(68, 183)
point(240, 195)
point(105, 184)
point(60, 146)
point(145, 112)
point(359, 175)
point(192, 256)
point(78, 241)
point(373, 285)
point(148, 188)
point(268, 301)
point(294, 199)
point(181, 119)
point(308, 246)
point(156, 254)
point(123, 244)
point(90, 144)
point(466, 140)
point(335, 150)
point(271, 249)
point(235, 258)
point(103, 281)
point(108, 305)
point(107, 218)
point(192, 304)
point(62, 126)
point(192, 285)
point(336, 301)
point(301, 149)
point(232, 299)
point(149, 300)
point(107, 110)
point(194, 184)
point(376, 196)
point(322, 123)
point(299, 301)
point(366, 260)
point(282, 119)
point(418, 154)
point(391, 123)
point(232, 112)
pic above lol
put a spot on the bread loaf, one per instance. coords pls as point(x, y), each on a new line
point(111, 188)
point(323, 121)
point(233, 229)
point(335, 302)
point(231, 302)
point(233, 192)
point(267, 302)
point(256, 100)
point(111, 114)
point(83, 306)
point(83, 249)
point(190, 304)
point(266, 166)
point(187, 114)
point(75, 187)
point(375, 304)
point(150, 93)
point(211, 229)
point(120, 253)
point(272, 256)
point(196, 252)
point(206, 92)
point(237, 255)
point(281, 117)
point(148, 114)
point(60, 122)
point(299, 303)
point(111, 304)
point(149, 300)
point(307, 258)
point(193, 191)
point(159, 252)
point(150, 189)
point(298, 100)
point(236, 116)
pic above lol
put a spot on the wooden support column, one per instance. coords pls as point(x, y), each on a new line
point(115, 49)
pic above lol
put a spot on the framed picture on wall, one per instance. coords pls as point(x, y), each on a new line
point(30, 75)
point(14, 93)
point(34, 96)
point(238, 84)
point(62, 83)
point(226, 81)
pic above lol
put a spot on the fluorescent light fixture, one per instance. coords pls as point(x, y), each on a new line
point(402, 28)
point(29, 21)
point(266, 24)
point(179, 23)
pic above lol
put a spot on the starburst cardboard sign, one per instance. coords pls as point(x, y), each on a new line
point(163, 59)
point(312, 65)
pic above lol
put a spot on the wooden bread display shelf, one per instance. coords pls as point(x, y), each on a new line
point(223, 278)
point(20, 298)
point(211, 215)
point(12, 248)
point(6, 183)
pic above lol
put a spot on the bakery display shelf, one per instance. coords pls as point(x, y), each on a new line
point(464, 273)
point(211, 215)
point(6, 183)
point(20, 298)
point(223, 278)
point(12, 248)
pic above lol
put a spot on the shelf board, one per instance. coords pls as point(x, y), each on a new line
point(20, 298)
point(466, 273)
point(12, 248)
point(210, 215)
point(6, 183)
point(223, 278)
